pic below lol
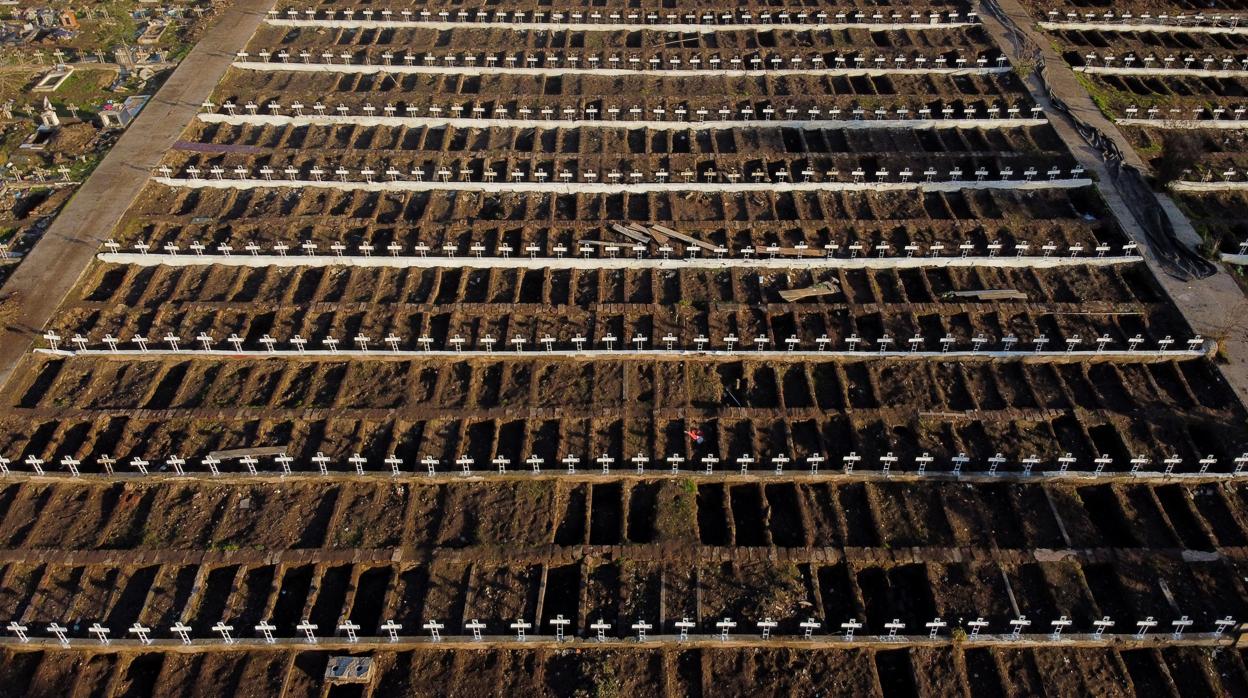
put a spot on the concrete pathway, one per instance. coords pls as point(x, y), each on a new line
point(653, 125)
point(681, 27)
point(1214, 307)
point(1143, 27)
point(622, 188)
point(360, 69)
point(626, 352)
point(626, 260)
point(53, 267)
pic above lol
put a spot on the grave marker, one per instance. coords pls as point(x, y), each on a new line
point(520, 627)
point(309, 631)
point(641, 627)
point(560, 624)
point(392, 630)
point(684, 625)
point(225, 630)
point(435, 630)
point(20, 631)
point(59, 631)
point(183, 631)
point(266, 629)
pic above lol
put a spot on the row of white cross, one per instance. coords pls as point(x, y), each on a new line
point(678, 112)
point(466, 465)
point(852, 250)
point(724, 627)
point(1189, 62)
point(629, 17)
point(536, 173)
point(1206, 175)
point(1181, 19)
point(670, 342)
point(1197, 112)
point(548, 60)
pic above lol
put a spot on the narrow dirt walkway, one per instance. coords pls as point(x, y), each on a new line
point(1215, 307)
point(52, 268)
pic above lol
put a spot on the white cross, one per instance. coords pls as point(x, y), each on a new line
point(19, 630)
point(1144, 626)
point(395, 464)
point(684, 625)
point(101, 632)
point(560, 624)
point(175, 462)
point(923, 461)
point(1018, 624)
point(464, 463)
point(1058, 626)
point(224, 629)
point(641, 627)
point(886, 462)
point(476, 627)
point(322, 461)
point(308, 630)
point(640, 461)
point(779, 462)
point(250, 462)
point(1065, 462)
point(767, 625)
point(501, 462)
point(212, 464)
point(849, 627)
point(809, 626)
point(36, 464)
point(745, 462)
point(958, 461)
point(1101, 462)
point(1179, 626)
point(430, 463)
point(1223, 625)
point(934, 627)
point(892, 628)
point(977, 626)
point(724, 626)
point(1101, 626)
point(600, 629)
point(358, 461)
point(266, 629)
point(435, 630)
point(392, 629)
point(140, 464)
point(59, 630)
point(710, 462)
point(520, 626)
point(814, 461)
point(850, 460)
point(571, 461)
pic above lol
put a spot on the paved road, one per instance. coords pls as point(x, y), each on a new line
point(1214, 307)
point(33, 293)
